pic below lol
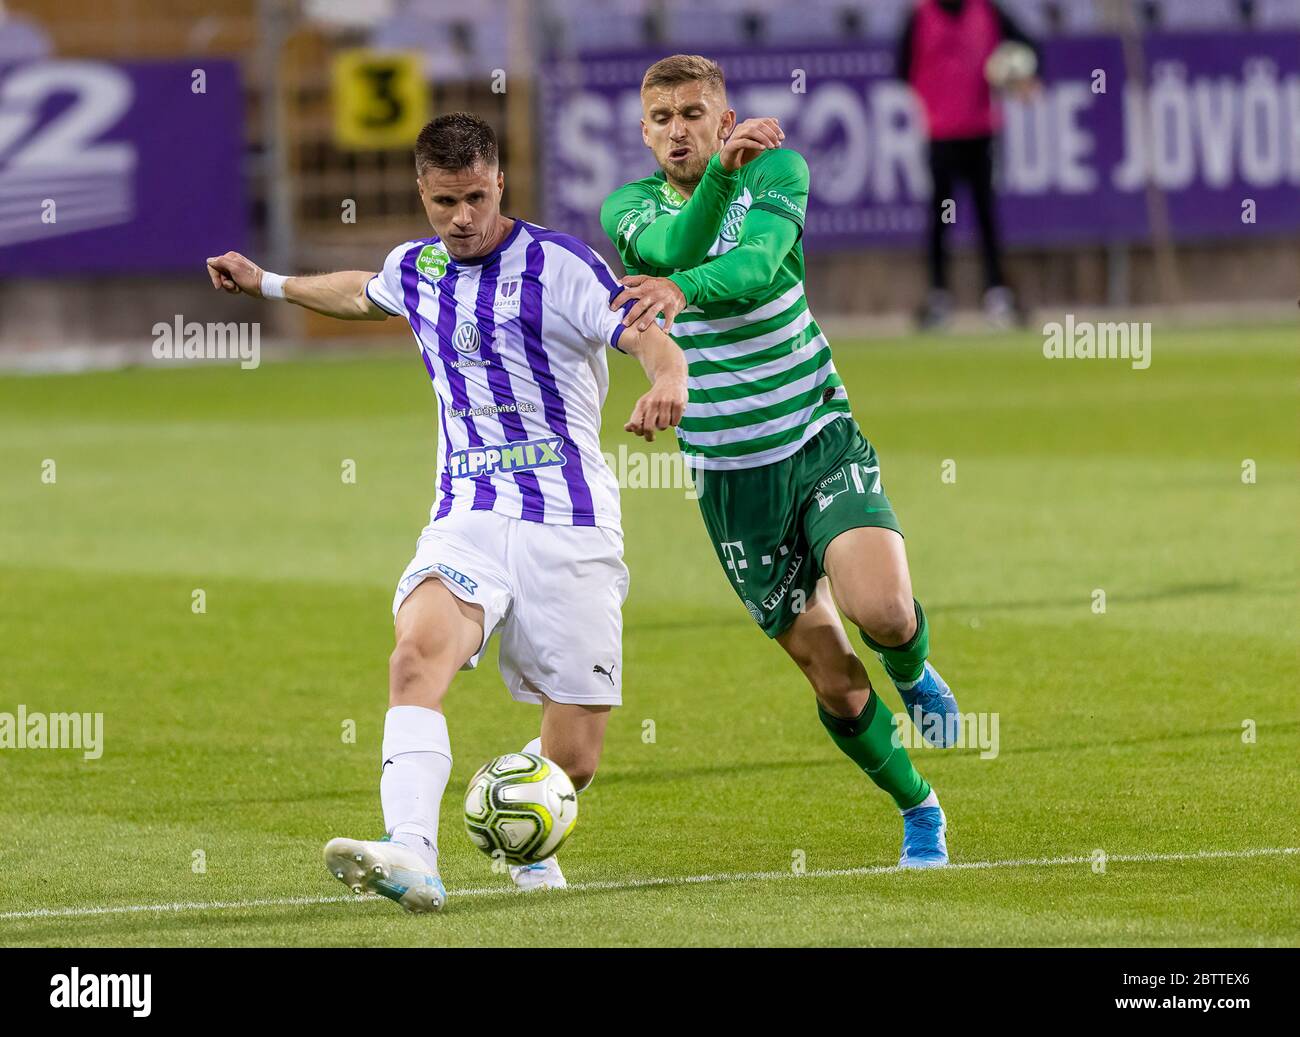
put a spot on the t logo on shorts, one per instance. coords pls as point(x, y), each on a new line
point(734, 551)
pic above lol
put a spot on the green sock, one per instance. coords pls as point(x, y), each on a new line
point(906, 663)
point(868, 740)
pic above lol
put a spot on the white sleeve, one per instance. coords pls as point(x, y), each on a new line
point(583, 289)
point(385, 288)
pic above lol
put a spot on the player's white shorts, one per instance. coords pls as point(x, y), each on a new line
point(554, 592)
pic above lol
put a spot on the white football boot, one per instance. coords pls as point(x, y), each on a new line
point(386, 868)
point(542, 875)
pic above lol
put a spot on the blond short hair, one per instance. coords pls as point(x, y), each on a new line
point(684, 68)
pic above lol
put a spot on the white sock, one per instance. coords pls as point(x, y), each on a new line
point(417, 765)
point(932, 800)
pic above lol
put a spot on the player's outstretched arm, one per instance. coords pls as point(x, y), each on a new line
point(745, 270)
point(770, 230)
point(675, 241)
point(342, 294)
point(748, 268)
point(665, 365)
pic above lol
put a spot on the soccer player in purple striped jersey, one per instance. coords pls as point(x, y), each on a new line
point(524, 538)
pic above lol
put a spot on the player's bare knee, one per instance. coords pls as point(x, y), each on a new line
point(580, 765)
point(412, 679)
point(841, 691)
point(581, 775)
point(890, 622)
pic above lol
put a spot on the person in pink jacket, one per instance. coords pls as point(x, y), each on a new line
point(942, 54)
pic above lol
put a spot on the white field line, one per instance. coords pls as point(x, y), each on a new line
point(646, 883)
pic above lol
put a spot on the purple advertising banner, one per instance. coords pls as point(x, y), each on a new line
point(119, 167)
point(1217, 130)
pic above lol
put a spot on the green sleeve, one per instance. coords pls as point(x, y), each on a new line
point(778, 182)
point(622, 214)
point(781, 184)
point(663, 240)
point(765, 240)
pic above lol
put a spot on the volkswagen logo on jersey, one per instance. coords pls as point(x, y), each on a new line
point(465, 338)
point(508, 457)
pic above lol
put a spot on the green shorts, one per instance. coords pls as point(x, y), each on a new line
point(771, 525)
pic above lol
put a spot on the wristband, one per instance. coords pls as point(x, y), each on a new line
point(273, 285)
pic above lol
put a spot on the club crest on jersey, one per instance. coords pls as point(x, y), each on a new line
point(508, 294)
point(465, 338)
point(508, 457)
point(732, 220)
point(432, 262)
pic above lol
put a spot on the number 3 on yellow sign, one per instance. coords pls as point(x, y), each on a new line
point(380, 99)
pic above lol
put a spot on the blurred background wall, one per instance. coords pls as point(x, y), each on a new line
point(297, 147)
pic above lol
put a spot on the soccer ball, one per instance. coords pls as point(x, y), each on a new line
point(520, 808)
point(1010, 64)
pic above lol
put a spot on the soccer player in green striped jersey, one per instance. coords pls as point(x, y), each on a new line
point(789, 488)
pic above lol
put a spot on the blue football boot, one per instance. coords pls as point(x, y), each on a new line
point(932, 707)
point(924, 842)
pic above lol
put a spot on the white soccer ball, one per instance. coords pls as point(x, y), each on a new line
point(520, 807)
point(1010, 64)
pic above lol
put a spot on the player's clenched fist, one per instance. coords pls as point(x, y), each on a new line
point(749, 140)
point(235, 273)
point(660, 408)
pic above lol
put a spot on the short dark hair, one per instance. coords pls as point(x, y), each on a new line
point(455, 141)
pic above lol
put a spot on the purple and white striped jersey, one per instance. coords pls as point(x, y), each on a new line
point(515, 344)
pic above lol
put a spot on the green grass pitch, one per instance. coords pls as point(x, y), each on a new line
point(1119, 732)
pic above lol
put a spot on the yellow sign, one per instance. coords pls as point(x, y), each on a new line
point(380, 99)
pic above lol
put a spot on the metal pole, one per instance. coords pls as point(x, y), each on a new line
point(272, 35)
point(1162, 243)
point(521, 127)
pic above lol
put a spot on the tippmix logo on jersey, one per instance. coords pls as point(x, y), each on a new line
point(508, 457)
point(432, 262)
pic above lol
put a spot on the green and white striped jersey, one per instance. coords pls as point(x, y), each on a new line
point(762, 382)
